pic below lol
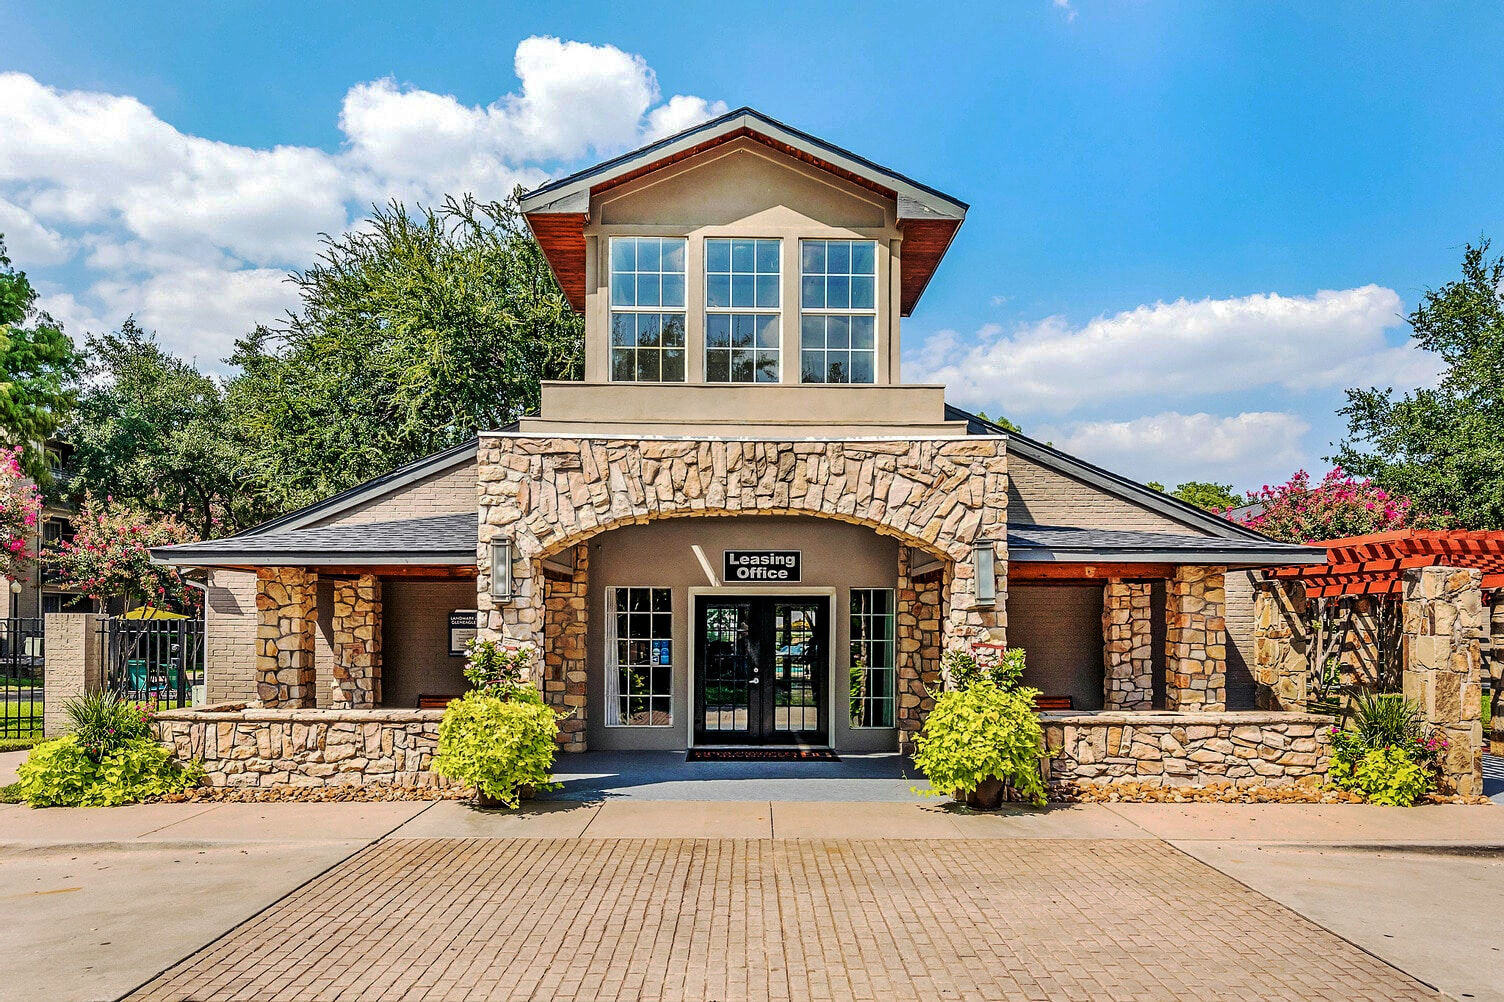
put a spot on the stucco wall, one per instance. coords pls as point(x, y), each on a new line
point(448, 492)
point(1037, 496)
point(415, 639)
point(1060, 628)
point(230, 656)
point(835, 555)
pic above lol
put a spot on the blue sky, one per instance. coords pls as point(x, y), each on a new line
point(1191, 225)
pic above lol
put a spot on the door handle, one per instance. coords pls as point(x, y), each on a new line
point(754, 680)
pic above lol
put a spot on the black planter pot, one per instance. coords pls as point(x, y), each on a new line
point(494, 803)
point(988, 796)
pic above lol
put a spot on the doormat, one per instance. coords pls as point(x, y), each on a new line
point(761, 755)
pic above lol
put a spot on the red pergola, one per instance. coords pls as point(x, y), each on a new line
point(1372, 565)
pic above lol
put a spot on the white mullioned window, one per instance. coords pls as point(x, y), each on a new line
point(742, 298)
point(838, 311)
point(639, 657)
point(647, 309)
point(873, 675)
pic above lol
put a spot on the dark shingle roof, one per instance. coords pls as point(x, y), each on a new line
point(438, 539)
point(1058, 542)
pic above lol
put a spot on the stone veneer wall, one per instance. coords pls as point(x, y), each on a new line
point(1127, 646)
point(1188, 749)
point(248, 747)
point(286, 600)
point(1443, 626)
point(546, 493)
point(1196, 639)
point(357, 643)
point(565, 617)
point(1281, 668)
point(916, 627)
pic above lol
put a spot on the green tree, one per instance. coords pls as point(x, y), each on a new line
point(414, 332)
point(38, 368)
point(152, 432)
point(1001, 422)
point(1443, 448)
point(1202, 493)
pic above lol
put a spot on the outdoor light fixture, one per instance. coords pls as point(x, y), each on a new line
point(983, 563)
point(501, 569)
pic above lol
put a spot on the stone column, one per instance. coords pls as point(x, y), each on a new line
point(73, 667)
point(286, 606)
point(917, 643)
point(1280, 635)
point(1196, 639)
point(565, 618)
point(1127, 646)
point(357, 643)
point(1496, 673)
point(1443, 627)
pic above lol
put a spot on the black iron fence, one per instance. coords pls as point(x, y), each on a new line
point(22, 699)
point(156, 661)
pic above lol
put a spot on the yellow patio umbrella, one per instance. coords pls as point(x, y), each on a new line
point(146, 612)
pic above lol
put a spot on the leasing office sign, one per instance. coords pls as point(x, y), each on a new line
point(761, 567)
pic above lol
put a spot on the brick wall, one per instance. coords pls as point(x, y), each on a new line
point(448, 492)
point(1037, 496)
point(231, 647)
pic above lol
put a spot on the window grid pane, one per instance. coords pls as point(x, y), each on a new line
point(742, 276)
point(838, 288)
point(647, 303)
point(873, 695)
point(644, 657)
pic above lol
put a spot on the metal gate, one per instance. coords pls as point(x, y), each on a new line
point(21, 678)
point(157, 661)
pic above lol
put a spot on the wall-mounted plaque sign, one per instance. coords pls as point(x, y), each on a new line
point(462, 629)
point(761, 567)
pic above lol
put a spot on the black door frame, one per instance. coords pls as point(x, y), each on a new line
point(762, 617)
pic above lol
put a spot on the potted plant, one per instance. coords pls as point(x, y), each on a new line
point(983, 739)
point(499, 738)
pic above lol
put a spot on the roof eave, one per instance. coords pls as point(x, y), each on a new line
point(1242, 558)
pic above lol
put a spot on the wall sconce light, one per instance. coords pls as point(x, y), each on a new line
point(501, 569)
point(984, 565)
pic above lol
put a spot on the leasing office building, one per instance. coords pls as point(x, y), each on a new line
point(741, 526)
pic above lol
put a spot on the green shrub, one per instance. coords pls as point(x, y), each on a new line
point(1003, 668)
point(1390, 776)
point(11, 794)
point(1386, 754)
point(62, 773)
point(498, 745)
point(982, 732)
point(102, 722)
point(498, 670)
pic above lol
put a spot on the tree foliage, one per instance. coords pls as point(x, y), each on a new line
point(110, 556)
point(1443, 447)
point(1339, 506)
point(38, 368)
point(20, 507)
point(1214, 497)
point(152, 432)
point(414, 332)
point(1001, 422)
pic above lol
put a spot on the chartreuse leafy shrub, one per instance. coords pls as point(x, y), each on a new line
point(62, 773)
point(110, 759)
point(1386, 754)
point(499, 745)
point(983, 727)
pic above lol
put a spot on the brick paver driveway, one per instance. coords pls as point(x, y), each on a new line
point(739, 919)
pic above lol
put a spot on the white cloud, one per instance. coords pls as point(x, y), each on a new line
point(1243, 449)
point(1065, 5)
point(1179, 349)
point(194, 235)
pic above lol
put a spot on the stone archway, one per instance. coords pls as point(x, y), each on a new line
point(939, 496)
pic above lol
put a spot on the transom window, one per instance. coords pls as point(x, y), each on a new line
point(640, 651)
point(647, 309)
point(742, 329)
point(838, 304)
point(872, 668)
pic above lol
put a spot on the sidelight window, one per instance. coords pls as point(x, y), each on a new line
point(639, 653)
point(873, 694)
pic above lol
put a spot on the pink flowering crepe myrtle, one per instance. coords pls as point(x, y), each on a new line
point(1336, 508)
point(110, 555)
point(20, 508)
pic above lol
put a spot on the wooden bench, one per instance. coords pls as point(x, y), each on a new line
point(1045, 704)
point(433, 701)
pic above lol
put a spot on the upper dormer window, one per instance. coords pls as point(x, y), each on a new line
point(647, 309)
point(838, 318)
point(742, 327)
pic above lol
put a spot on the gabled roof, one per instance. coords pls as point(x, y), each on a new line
point(557, 211)
point(438, 539)
point(1107, 481)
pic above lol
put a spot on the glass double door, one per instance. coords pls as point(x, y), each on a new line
point(762, 670)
